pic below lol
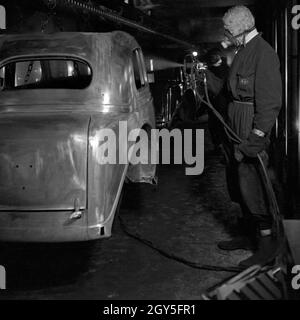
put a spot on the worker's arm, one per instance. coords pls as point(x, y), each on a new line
point(268, 91)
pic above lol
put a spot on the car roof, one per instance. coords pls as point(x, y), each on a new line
point(79, 44)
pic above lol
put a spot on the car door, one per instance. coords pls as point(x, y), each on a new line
point(144, 110)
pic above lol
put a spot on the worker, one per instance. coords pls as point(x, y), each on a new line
point(255, 95)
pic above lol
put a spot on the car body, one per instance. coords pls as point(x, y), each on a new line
point(58, 92)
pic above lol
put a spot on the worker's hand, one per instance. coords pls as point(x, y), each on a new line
point(238, 154)
point(253, 145)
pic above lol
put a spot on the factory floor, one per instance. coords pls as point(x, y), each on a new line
point(184, 216)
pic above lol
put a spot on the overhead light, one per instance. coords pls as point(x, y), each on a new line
point(151, 65)
point(2, 18)
point(195, 53)
point(70, 68)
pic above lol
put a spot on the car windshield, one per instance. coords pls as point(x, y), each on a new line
point(45, 74)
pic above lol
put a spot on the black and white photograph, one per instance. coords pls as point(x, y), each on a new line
point(149, 153)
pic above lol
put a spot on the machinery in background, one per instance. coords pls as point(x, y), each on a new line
point(170, 99)
point(180, 97)
point(255, 283)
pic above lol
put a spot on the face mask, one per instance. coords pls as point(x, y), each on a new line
point(233, 41)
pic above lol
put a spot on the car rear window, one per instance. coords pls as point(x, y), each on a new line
point(45, 74)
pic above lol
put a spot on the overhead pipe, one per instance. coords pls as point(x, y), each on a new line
point(105, 13)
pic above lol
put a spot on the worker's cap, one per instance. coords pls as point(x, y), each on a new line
point(238, 19)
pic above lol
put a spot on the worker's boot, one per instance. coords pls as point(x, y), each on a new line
point(245, 242)
point(266, 252)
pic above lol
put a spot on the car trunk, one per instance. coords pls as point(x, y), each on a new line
point(43, 161)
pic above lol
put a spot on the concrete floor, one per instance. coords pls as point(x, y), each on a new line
point(185, 216)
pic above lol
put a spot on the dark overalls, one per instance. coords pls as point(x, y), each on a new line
point(254, 87)
point(219, 101)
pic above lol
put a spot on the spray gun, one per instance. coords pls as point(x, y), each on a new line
point(201, 66)
point(193, 69)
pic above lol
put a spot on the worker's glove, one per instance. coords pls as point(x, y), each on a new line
point(253, 145)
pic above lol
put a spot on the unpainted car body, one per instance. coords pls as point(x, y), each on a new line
point(53, 186)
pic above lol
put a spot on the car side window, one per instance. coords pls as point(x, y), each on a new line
point(139, 69)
